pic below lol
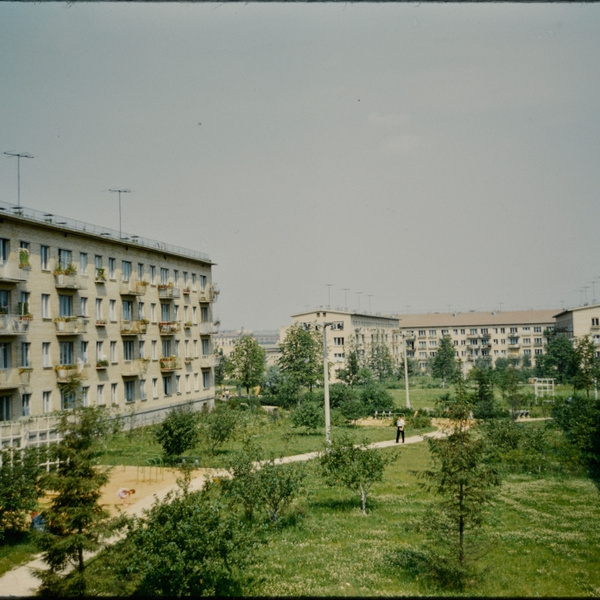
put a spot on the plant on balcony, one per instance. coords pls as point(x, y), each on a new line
point(25, 370)
point(102, 363)
point(188, 324)
point(71, 269)
point(100, 323)
point(188, 360)
point(186, 291)
point(164, 286)
point(23, 311)
point(217, 323)
point(24, 258)
point(58, 270)
point(100, 276)
point(144, 321)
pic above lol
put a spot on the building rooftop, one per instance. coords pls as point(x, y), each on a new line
point(474, 319)
point(64, 223)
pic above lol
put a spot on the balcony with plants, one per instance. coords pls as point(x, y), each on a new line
point(168, 290)
point(132, 287)
point(170, 363)
point(14, 272)
point(168, 327)
point(70, 325)
point(135, 367)
point(11, 324)
point(138, 327)
point(68, 373)
point(100, 276)
point(66, 277)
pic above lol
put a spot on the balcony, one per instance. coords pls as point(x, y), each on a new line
point(207, 362)
point(168, 291)
point(12, 379)
point(209, 293)
point(100, 275)
point(134, 327)
point(102, 365)
point(70, 325)
point(66, 373)
point(68, 281)
point(168, 327)
point(13, 272)
point(171, 363)
point(100, 323)
point(14, 324)
point(133, 288)
point(207, 328)
point(134, 368)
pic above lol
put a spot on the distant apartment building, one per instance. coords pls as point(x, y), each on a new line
point(360, 331)
point(576, 323)
point(487, 335)
point(269, 340)
point(115, 320)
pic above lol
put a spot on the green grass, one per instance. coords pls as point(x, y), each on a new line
point(16, 551)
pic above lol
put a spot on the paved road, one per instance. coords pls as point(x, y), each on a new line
point(20, 581)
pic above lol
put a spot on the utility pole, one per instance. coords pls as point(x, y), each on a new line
point(19, 156)
point(120, 191)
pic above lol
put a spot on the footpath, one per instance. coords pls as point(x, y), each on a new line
point(20, 582)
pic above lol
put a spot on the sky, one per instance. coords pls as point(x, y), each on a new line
point(385, 158)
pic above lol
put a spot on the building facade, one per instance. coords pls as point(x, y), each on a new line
point(487, 335)
point(360, 331)
point(576, 323)
point(91, 313)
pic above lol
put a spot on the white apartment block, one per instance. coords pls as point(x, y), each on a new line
point(576, 323)
point(359, 331)
point(128, 321)
point(487, 335)
point(225, 341)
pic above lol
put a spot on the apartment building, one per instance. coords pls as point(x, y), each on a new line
point(576, 323)
point(358, 331)
point(225, 342)
point(111, 318)
point(488, 335)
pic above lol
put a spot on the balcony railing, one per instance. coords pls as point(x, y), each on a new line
point(70, 325)
point(65, 373)
point(13, 272)
point(133, 327)
point(168, 291)
point(209, 293)
point(71, 282)
point(168, 327)
point(133, 288)
point(207, 362)
point(134, 368)
point(172, 363)
point(9, 379)
point(14, 324)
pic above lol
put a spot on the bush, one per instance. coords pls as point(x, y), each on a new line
point(178, 432)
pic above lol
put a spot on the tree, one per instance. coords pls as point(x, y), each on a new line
point(19, 489)
point(444, 364)
point(220, 425)
point(354, 467)
point(484, 404)
point(585, 365)
point(301, 357)
point(558, 360)
point(380, 360)
point(466, 485)
point(350, 373)
point(247, 363)
point(222, 367)
point(75, 521)
point(507, 381)
point(179, 431)
point(310, 415)
point(188, 545)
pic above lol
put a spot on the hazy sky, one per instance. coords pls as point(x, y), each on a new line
point(417, 157)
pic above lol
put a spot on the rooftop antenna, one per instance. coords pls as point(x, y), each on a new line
point(369, 296)
point(345, 298)
point(19, 156)
point(358, 297)
point(329, 294)
point(120, 191)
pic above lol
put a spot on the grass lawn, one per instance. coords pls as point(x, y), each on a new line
point(543, 534)
point(16, 551)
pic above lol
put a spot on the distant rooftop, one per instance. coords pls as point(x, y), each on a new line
point(59, 222)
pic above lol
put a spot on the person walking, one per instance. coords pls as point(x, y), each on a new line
point(400, 428)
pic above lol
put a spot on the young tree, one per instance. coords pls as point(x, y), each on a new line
point(220, 425)
point(189, 544)
point(484, 404)
point(380, 361)
point(444, 364)
point(310, 415)
point(247, 363)
point(19, 489)
point(354, 467)
point(558, 360)
point(585, 365)
point(350, 373)
point(301, 358)
point(466, 485)
point(179, 431)
point(75, 521)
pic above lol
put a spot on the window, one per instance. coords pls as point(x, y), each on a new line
point(484, 330)
point(45, 257)
point(67, 399)
point(165, 313)
point(473, 331)
point(164, 276)
point(502, 330)
point(178, 384)
point(112, 312)
point(66, 353)
point(196, 385)
point(84, 351)
point(154, 350)
point(140, 311)
point(338, 341)
point(65, 305)
point(4, 250)
point(129, 391)
point(99, 309)
point(142, 389)
point(140, 271)
point(595, 321)
point(175, 276)
point(205, 379)
point(195, 348)
point(65, 258)
point(85, 394)
point(125, 270)
point(141, 349)
point(46, 354)
point(526, 329)
point(155, 387)
point(100, 394)
point(83, 306)
point(113, 393)
point(187, 384)
point(4, 301)
point(204, 314)
point(45, 306)
point(537, 330)
point(25, 401)
point(99, 355)
point(111, 267)
point(153, 312)
point(4, 408)
point(194, 316)
point(152, 274)
point(166, 348)
point(47, 402)
point(113, 352)
point(432, 332)
point(185, 279)
point(83, 262)
point(26, 354)
point(513, 329)
point(194, 283)
point(167, 385)
point(202, 282)
point(127, 310)
point(205, 346)
point(128, 350)
point(421, 332)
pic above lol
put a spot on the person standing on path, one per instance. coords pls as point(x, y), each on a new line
point(399, 428)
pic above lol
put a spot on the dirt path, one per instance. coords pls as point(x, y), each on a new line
point(148, 485)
